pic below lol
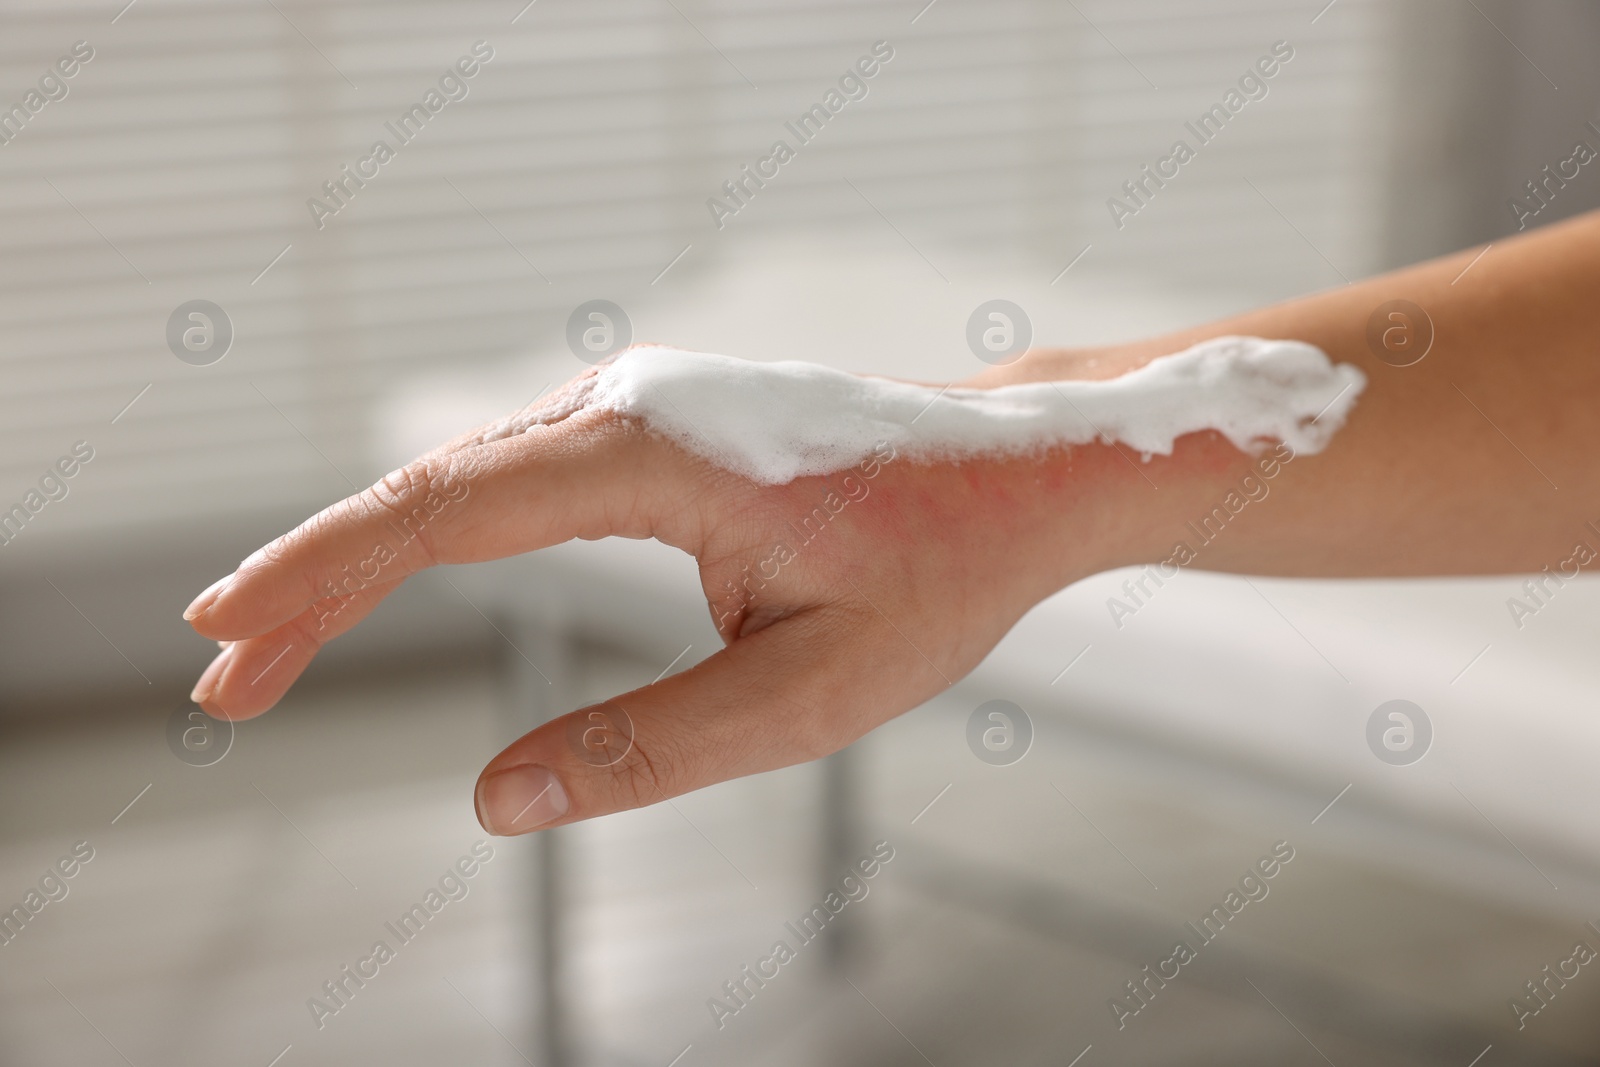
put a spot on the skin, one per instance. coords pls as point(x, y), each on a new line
point(1448, 466)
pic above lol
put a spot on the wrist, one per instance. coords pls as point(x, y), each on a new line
point(1101, 506)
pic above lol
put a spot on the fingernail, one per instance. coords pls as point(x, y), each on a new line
point(206, 599)
point(519, 799)
point(208, 678)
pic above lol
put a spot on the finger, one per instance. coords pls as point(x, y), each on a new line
point(792, 692)
point(249, 676)
point(579, 478)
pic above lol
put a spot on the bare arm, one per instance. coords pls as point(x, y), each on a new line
point(1447, 466)
point(1480, 458)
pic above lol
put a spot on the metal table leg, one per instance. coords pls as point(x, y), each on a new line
point(840, 847)
point(533, 697)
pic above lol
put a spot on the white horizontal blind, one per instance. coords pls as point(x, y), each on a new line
point(579, 165)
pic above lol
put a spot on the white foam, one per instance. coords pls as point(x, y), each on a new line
point(774, 422)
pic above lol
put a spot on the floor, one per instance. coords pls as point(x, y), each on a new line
point(1019, 901)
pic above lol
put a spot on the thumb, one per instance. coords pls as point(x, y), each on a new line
point(784, 695)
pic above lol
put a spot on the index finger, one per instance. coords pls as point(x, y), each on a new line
point(499, 498)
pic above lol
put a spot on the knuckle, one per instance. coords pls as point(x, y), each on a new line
point(628, 770)
point(647, 774)
point(396, 491)
point(409, 498)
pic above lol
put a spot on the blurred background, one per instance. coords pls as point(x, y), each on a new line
point(1144, 767)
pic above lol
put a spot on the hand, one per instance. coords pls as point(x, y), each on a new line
point(842, 600)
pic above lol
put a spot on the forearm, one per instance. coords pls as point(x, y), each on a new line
point(1480, 458)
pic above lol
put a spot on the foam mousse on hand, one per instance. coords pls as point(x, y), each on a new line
point(775, 422)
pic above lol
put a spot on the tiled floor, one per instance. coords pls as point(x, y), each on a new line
point(1015, 907)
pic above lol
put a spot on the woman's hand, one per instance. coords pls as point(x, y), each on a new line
point(847, 599)
point(843, 600)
